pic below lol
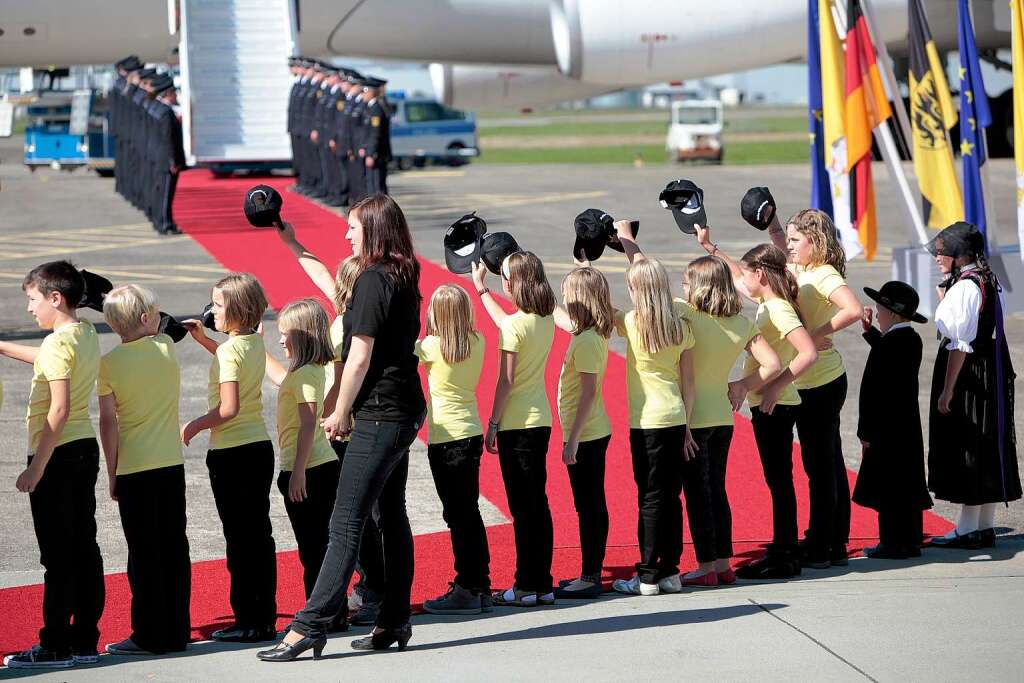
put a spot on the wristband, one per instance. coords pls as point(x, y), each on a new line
point(481, 292)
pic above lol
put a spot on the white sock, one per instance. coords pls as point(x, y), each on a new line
point(987, 518)
point(969, 515)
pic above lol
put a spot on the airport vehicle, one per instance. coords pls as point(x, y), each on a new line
point(695, 131)
point(424, 130)
point(69, 130)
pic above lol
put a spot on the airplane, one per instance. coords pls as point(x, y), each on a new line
point(499, 53)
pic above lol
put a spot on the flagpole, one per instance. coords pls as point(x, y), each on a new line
point(890, 77)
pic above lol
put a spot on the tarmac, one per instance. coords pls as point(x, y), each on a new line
point(953, 615)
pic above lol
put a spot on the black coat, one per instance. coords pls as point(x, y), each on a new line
point(892, 470)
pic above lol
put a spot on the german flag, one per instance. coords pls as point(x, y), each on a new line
point(932, 115)
point(866, 108)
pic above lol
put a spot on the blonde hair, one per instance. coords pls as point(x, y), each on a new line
point(450, 318)
point(344, 281)
point(658, 325)
point(528, 284)
point(826, 249)
point(711, 288)
point(308, 329)
point(244, 301)
point(588, 301)
point(124, 306)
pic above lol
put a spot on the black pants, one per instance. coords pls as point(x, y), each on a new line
point(356, 179)
point(340, 162)
point(821, 447)
point(311, 517)
point(707, 502)
point(376, 468)
point(152, 507)
point(371, 547)
point(377, 178)
point(774, 436)
point(64, 516)
point(165, 221)
point(658, 473)
point(241, 478)
point(522, 454)
point(900, 527)
point(586, 478)
point(455, 466)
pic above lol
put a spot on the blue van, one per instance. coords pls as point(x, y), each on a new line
point(424, 130)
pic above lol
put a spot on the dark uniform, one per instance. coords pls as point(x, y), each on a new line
point(356, 163)
point(377, 145)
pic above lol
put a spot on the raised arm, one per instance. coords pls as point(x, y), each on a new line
point(491, 305)
point(26, 354)
point(624, 233)
point(777, 233)
point(314, 267)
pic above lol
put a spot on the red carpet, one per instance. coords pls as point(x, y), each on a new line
point(209, 211)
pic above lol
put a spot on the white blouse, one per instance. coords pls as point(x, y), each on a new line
point(957, 314)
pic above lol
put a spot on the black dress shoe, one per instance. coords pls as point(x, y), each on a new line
point(887, 552)
point(988, 538)
point(283, 652)
point(236, 634)
point(971, 541)
point(382, 640)
point(771, 566)
point(838, 557)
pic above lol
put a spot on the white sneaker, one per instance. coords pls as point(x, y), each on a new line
point(634, 587)
point(670, 584)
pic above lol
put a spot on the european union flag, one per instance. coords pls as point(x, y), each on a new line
point(821, 192)
point(975, 116)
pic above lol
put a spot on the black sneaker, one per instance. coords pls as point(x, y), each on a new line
point(38, 657)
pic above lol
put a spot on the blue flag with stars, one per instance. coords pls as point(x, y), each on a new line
point(975, 116)
point(821, 189)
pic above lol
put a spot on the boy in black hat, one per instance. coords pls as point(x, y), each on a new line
point(891, 478)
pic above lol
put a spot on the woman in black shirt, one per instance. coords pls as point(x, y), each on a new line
point(381, 405)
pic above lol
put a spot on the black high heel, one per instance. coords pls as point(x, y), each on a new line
point(285, 652)
point(382, 640)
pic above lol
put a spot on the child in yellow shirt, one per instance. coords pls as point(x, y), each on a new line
point(139, 385)
point(63, 463)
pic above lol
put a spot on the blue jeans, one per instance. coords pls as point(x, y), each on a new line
point(375, 470)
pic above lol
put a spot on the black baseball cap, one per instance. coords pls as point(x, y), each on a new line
point(758, 207)
point(262, 206)
point(686, 201)
point(594, 229)
point(898, 297)
point(170, 326)
point(207, 317)
point(462, 243)
point(96, 289)
point(495, 248)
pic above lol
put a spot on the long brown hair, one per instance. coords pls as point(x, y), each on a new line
point(711, 288)
point(588, 301)
point(826, 248)
point(528, 284)
point(450, 318)
point(386, 241)
point(771, 261)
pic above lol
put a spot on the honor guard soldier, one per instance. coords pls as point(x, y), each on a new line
point(325, 128)
point(357, 152)
point(376, 149)
point(341, 142)
point(295, 66)
point(170, 159)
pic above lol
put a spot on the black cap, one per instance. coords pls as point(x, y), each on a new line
point(758, 207)
point(162, 83)
point(262, 206)
point(171, 327)
point(129, 63)
point(686, 201)
point(146, 74)
point(594, 228)
point(496, 247)
point(96, 289)
point(900, 298)
point(371, 82)
point(462, 243)
point(355, 78)
point(207, 317)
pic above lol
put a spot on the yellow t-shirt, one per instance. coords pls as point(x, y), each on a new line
point(71, 353)
point(451, 411)
point(652, 380)
point(587, 352)
point(775, 319)
point(304, 385)
point(144, 377)
point(241, 359)
point(337, 341)
point(817, 284)
point(529, 336)
point(718, 342)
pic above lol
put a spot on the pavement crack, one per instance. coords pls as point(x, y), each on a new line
point(814, 640)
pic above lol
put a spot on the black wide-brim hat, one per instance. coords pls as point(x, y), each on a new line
point(96, 289)
point(898, 297)
point(959, 239)
point(496, 248)
point(463, 241)
point(262, 206)
point(686, 201)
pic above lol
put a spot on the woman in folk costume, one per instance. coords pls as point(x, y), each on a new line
point(972, 445)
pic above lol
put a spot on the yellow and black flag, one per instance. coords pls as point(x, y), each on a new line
point(932, 115)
